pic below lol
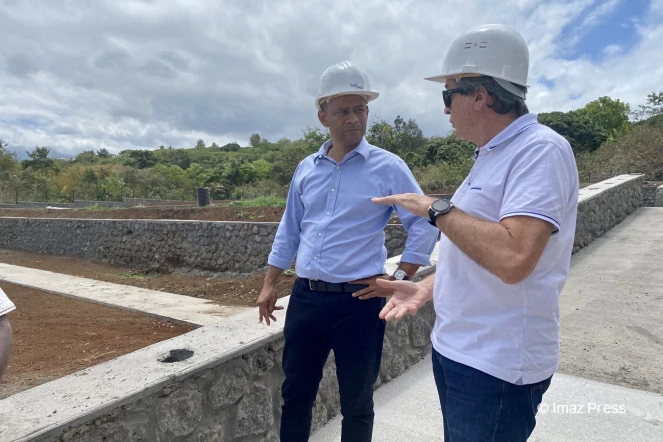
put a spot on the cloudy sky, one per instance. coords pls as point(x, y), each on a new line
point(133, 74)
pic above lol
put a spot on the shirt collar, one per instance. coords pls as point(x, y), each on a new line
point(363, 149)
point(511, 131)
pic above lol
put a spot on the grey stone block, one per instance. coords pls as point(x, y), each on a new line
point(254, 415)
point(179, 413)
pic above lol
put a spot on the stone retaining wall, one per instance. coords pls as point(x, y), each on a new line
point(603, 205)
point(649, 191)
point(158, 244)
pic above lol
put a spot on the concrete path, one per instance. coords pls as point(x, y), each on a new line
point(152, 302)
point(611, 307)
point(611, 312)
point(408, 409)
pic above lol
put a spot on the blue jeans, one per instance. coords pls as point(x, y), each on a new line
point(477, 407)
point(315, 323)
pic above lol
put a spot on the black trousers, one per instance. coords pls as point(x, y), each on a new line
point(317, 322)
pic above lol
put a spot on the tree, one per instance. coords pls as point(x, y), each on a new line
point(381, 134)
point(39, 160)
point(200, 144)
point(314, 138)
point(254, 140)
point(653, 107)
point(86, 157)
point(104, 153)
point(231, 147)
point(409, 137)
point(608, 114)
point(8, 163)
point(447, 150)
point(143, 159)
point(583, 134)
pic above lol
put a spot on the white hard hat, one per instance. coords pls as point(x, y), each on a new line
point(496, 51)
point(344, 78)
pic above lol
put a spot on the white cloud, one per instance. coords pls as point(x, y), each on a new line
point(140, 73)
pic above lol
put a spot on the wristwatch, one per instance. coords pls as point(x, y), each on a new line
point(437, 208)
point(400, 275)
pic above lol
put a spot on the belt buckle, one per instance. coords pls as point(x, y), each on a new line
point(310, 285)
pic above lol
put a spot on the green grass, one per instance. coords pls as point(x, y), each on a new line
point(263, 201)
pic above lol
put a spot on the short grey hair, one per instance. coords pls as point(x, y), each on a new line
point(504, 101)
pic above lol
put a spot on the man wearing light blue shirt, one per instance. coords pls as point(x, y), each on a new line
point(337, 234)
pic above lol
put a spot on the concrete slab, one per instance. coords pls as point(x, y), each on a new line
point(612, 304)
point(576, 409)
point(155, 303)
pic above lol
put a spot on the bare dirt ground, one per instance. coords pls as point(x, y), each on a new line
point(213, 213)
point(226, 291)
point(55, 336)
point(210, 213)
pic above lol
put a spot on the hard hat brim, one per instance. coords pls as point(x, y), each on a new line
point(369, 95)
point(443, 78)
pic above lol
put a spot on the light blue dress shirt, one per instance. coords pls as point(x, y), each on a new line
point(332, 226)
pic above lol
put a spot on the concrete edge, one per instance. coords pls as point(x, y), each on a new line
point(592, 191)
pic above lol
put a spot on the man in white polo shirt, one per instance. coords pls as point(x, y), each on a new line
point(6, 306)
point(505, 248)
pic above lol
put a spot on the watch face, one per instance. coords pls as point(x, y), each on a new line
point(441, 206)
point(399, 274)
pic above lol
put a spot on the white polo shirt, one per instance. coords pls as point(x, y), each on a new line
point(6, 305)
point(510, 331)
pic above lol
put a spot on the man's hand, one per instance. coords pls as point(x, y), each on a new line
point(408, 297)
point(267, 304)
point(373, 290)
point(412, 202)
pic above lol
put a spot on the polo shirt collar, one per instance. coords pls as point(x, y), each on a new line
point(511, 131)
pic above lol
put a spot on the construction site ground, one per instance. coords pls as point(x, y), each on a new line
point(209, 213)
point(56, 335)
point(239, 290)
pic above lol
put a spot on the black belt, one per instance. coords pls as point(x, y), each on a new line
point(338, 287)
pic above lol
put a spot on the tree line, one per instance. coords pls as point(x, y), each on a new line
point(606, 135)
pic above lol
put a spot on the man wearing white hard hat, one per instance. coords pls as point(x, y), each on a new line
point(505, 248)
point(6, 306)
point(337, 234)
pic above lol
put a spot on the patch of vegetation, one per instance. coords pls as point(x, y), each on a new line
point(263, 201)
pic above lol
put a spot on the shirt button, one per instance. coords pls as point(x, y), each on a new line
point(333, 190)
point(337, 167)
point(328, 213)
point(319, 234)
point(315, 257)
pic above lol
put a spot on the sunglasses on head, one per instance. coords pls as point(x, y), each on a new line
point(446, 95)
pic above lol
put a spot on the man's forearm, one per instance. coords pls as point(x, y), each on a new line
point(272, 276)
point(489, 244)
point(409, 268)
point(5, 344)
point(428, 284)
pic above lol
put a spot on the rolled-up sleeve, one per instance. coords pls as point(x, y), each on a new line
point(286, 240)
point(421, 235)
point(6, 305)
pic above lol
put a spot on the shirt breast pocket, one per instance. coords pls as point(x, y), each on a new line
point(482, 200)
